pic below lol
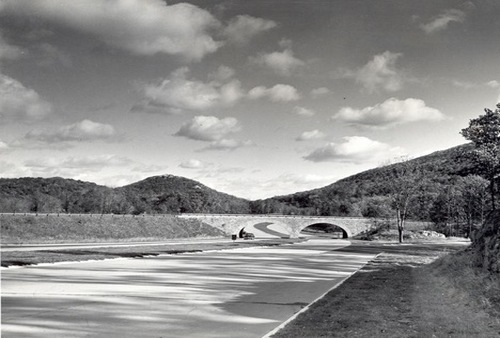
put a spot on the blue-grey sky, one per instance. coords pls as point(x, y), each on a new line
point(252, 98)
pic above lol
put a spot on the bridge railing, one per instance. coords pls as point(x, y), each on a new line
point(268, 215)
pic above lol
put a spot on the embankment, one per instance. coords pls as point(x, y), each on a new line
point(54, 228)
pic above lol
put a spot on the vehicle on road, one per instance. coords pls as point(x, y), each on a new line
point(248, 235)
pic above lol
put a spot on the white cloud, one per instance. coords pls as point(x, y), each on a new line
point(149, 168)
point(379, 73)
point(354, 149)
point(178, 93)
point(227, 144)
point(144, 27)
point(321, 91)
point(192, 164)
point(244, 27)
point(493, 84)
point(84, 130)
point(283, 63)
point(208, 128)
point(71, 166)
point(3, 146)
point(311, 135)
point(222, 74)
point(305, 112)
point(442, 20)
point(463, 84)
point(18, 103)
point(254, 187)
point(277, 93)
point(11, 170)
point(390, 113)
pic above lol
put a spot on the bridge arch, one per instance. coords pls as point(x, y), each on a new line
point(326, 227)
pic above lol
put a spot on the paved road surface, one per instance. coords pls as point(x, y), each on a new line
point(66, 246)
point(232, 293)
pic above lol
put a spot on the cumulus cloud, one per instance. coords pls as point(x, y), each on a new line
point(379, 73)
point(277, 93)
point(84, 130)
point(242, 28)
point(493, 84)
point(354, 149)
point(192, 164)
point(310, 135)
point(321, 91)
point(283, 63)
point(143, 27)
point(305, 112)
point(390, 113)
point(19, 103)
point(178, 93)
point(208, 128)
point(441, 21)
point(3, 146)
point(227, 144)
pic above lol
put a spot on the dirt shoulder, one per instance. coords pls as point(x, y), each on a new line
point(406, 292)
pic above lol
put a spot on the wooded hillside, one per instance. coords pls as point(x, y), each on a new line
point(449, 176)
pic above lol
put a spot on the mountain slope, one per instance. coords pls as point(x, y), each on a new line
point(365, 194)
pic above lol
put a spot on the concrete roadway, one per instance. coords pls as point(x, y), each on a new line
point(94, 245)
point(231, 293)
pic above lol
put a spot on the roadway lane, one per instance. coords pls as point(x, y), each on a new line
point(93, 245)
point(232, 293)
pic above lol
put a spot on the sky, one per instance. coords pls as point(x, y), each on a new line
point(252, 98)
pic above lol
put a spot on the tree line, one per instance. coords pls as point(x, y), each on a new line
point(454, 188)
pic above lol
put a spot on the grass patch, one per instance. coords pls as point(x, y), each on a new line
point(403, 293)
point(66, 228)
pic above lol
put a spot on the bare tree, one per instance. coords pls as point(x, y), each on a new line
point(404, 183)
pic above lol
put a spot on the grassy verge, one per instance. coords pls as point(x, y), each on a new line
point(403, 293)
point(63, 228)
point(20, 258)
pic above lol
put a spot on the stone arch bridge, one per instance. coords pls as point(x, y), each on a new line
point(287, 225)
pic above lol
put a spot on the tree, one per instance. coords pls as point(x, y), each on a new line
point(473, 194)
point(404, 186)
point(484, 132)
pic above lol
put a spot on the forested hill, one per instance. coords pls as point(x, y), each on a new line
point(366, 193)
point(363, 194)
point(159, 194)
point(167, 194)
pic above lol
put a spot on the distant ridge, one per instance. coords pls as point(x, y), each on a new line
point(357, 195)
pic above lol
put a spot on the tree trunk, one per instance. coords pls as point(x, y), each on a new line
point(492, 191)
point(400, 222)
